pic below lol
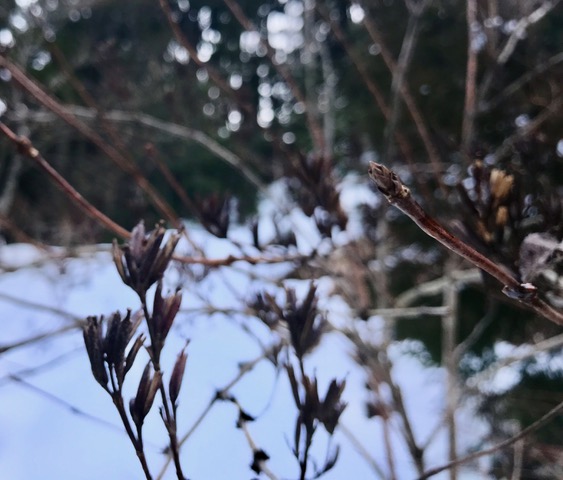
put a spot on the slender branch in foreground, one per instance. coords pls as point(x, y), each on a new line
point(499, 446)
point(26, 148)
point(400, 196)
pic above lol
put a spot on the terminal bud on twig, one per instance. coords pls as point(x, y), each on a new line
point(387, 181)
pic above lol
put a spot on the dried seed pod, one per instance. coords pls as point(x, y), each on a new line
point(214, 213)
point(140, 405)
point(93, 339)
point(163, 315)
point(177, 377)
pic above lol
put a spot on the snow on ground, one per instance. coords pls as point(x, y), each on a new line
point(56, 422)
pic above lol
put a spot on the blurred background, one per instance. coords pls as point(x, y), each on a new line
point(253, 122)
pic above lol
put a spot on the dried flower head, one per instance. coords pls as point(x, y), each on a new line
point(305, 322)
point(314, 186)
point(492, 207)
point(311, 408)
point(214, 213)
point(142, 261)
point(106, 350)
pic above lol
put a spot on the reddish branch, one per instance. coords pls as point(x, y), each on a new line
point(127, 165)
point(400, 196)
point(26, 148)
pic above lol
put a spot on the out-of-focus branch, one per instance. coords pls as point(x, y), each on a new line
point(410, 102)
point(511, 89)
point(434, 287)
point(314, 127)
point(529, 352)
point(362, 451)
point(519, 31)
point(38, 338)
point(169, 128)
point(49, 102)
point(185, 43)
point(375, 92)
point(399, 195)
point(229, 260)
point(244, 368)
point(470, 80)
point(449, 333)
point(26, 148)
point(399, 73)
point(553, 413)
point(553, 109)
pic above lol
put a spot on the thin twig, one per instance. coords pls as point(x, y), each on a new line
point(543, 346)
point(169, 128)
point(124, 163)
point(400, 196)
point(470, 79)
point(486, 106)
point(449, 333)
point(399, 73)
point(25, 147)
point(554, 412)
point(408, 98)
point(63, 403)
point(362, 69)
point(222, 393)
point(554, 108)
point(519, 31)
point(256, 451)
point(413, 312)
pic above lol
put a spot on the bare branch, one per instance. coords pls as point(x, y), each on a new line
point(399, 195)
point(49, 102)
point(554, 412)
point(521, 28)
point(470, 79)
point(25, 147)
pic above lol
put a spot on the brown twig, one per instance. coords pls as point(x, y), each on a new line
point(399, 73)
point(26, 148)
point(400, 196)
point(168, 128)
point(244, 368)
point(227, 261)
point(49, 102)
point(408, 98)
point(554, 412)
point(375, 92)
point(470, 80)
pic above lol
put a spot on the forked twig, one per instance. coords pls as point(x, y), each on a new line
point(400, 196)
